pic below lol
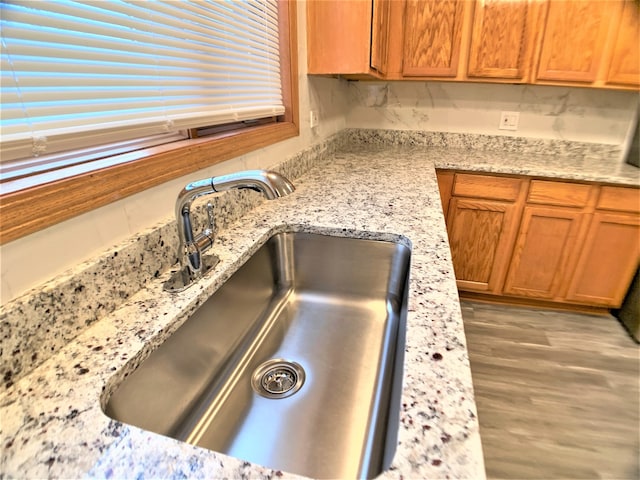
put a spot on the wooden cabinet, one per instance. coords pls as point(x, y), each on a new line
point(574, 37)
point(557, 42)
point(390, 39)
point(480, 232)
point(445, 185)
point(608, 261)
point(481, 224)
point(547, 237)
point(502, 39)
point(379, 35)
point(339, 37)
point(542, 240)
point(591, 42)
point(611, 251)
point(550, 231)
point(624, 67)
point(432, 37)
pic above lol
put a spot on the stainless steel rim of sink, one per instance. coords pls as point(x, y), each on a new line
point(295, 363)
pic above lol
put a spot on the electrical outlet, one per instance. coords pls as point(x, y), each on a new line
point(313, 118)
point(509, 120)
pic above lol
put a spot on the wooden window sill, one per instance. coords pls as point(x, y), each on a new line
point(28, 210)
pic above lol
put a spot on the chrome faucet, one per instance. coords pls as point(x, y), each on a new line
point(271, 184)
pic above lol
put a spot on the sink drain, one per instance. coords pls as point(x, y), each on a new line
point(277, 378)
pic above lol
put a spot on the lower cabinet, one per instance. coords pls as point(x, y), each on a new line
point(482, 218)
point(608, 260)
point(480, 232)
point(547, 238)
point(445, 185)
point(542, 240)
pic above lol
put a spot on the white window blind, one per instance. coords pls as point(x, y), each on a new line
point(76, 74)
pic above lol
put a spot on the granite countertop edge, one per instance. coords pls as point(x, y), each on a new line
point(592, 169)
point(52, 423)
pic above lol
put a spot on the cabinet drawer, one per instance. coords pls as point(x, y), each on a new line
point(620, 199)
point(486, 186)
point(558, 193)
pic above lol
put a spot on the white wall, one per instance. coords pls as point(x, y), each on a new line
point(561, 113)
point(29, 261)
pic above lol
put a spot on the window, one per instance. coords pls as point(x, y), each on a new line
point(138, 79)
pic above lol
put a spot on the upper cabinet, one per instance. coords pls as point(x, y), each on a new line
point(379, 35)
point(591, 42)
point(502, 39)
point(555, 42)
point(339, 37)
point(573, 41)
point(624, 68)
point(432, 36)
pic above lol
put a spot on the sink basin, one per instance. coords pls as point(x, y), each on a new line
point(295, 363)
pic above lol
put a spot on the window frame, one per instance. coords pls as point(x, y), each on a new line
point(28, 210)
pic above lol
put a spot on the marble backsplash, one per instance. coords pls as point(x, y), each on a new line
point(546, 112)
point(38, 324)
point(498, 143)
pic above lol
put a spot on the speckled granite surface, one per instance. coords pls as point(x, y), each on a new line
point(67, 304)
point(505, 144)
point(51, 423)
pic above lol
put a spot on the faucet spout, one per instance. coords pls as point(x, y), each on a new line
point(271, 184)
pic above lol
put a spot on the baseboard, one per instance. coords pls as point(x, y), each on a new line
point(531, 303)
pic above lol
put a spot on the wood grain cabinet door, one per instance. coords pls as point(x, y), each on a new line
point(480, 235)
point(547, 238)
point(502, 38)
point(432, 36)
point(445, 185)
point(624, 68)
point(380, 34)
point(338, 36)
point(608, 261)
point(574, 37)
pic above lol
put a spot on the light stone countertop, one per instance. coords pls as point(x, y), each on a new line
point(579, 169)
point(51, 422)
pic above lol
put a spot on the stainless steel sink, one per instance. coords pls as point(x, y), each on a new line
point(295, 363)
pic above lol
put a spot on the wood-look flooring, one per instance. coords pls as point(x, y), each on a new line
point(557, 393)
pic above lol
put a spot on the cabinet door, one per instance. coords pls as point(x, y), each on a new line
point(380, 35)
point(501, 42)
point(547, 237)
point(480, 235)
point(574, 36)
point(608, 261)
point(445, 184)
point(625, 58)
point(338, 37)
point(432, 35)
